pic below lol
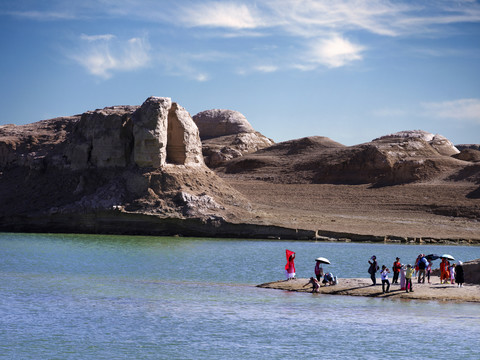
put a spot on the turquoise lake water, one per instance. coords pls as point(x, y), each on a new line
point(114, 297)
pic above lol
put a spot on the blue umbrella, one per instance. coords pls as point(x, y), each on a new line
point(432, 257)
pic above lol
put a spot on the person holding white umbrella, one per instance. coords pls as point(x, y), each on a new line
point(444, 268)
point(318, 266)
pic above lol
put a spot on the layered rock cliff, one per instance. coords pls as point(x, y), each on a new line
point(68, 173)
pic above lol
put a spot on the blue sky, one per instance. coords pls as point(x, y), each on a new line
point(350, 70)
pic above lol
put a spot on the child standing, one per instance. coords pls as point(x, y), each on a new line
point(429, 270)
point(452, 273)
point(384, 276)
point(402, 277)
point(408, 277)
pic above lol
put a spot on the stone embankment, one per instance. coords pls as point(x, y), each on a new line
point(350, 237)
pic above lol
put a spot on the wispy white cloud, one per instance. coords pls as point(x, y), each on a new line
point(175, 63)
point(311, 18)
point(102, 55)
point(201, 77)
point(461, 109)
point(220, 14)
point(266, 68)
point(301, 17)
point(92, 38)
point(333, 52)
point(43, 15)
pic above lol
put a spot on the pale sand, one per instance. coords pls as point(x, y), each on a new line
point(363, 287)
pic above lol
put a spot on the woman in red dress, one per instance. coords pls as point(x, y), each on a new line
point(290, 267)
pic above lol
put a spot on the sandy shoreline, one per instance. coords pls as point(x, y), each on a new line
point(362, 287)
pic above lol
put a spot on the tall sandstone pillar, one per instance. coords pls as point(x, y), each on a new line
point(184, 146)
point(164, 132)
point(150, 124)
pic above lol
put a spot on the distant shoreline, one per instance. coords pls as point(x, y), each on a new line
point(118, 222)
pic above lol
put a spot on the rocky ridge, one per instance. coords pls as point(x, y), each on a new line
point(404, 157)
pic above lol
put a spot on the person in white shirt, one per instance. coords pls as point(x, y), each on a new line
point(384, 277)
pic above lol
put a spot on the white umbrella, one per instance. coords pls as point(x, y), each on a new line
point(323, 260)
point(448, 257)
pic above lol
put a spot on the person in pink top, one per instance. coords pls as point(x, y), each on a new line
point(318, 270)
point(290, 266)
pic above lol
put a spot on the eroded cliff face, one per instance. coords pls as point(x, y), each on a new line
point(157, 133)
point(133, 159)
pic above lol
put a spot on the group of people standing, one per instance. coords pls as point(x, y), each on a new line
point(452, 273)
point(422, 269)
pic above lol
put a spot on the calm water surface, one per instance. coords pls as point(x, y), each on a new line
point(112, 297)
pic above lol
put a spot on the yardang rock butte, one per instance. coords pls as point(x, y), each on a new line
point(152, 169)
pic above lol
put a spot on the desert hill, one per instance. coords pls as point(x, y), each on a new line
point(404, 157)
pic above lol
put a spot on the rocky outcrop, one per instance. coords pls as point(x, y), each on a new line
point(468, 146)
point(101, 138)
point(226, 135)
point(215, 123)
point(417, 138)
point(468, 155)
point(131, 159)
point(471, 271)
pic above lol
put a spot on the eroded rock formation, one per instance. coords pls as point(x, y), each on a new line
point(132, 159)
point(226, 135)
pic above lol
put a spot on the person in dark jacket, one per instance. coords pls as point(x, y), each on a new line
point(459, 277)
point(397, 266)
point(373, 269)
point(422, 266)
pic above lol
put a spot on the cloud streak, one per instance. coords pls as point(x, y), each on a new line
point(334, 52)
point(462, 109)
point(311, 18)
point(221, 14)
point(102, 55)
